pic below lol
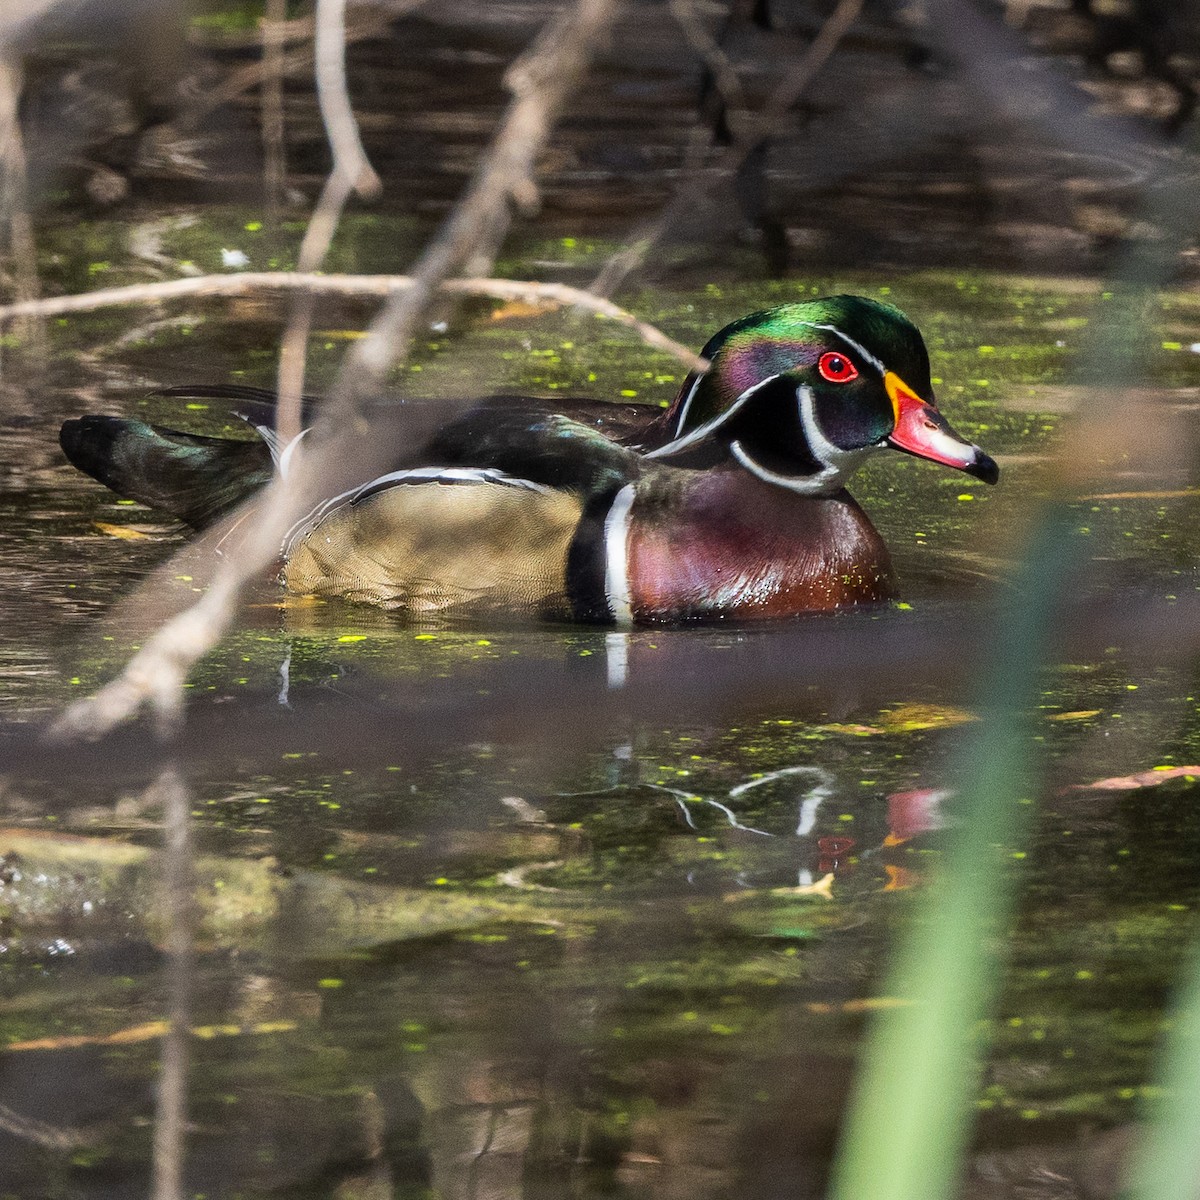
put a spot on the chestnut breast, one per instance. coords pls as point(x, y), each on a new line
point(734, 546)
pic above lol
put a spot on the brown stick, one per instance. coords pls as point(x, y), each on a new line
point(273, 25)
point(725, 76)
point(247, 282)
point(170, 1110)
point(540, 80)
point(292, 62)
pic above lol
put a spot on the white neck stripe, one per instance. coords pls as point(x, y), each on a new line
point(616, 557)
point(804, 485)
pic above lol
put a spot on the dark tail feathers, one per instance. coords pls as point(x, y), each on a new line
point(196, 479)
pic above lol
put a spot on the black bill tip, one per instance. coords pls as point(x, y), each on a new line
point(984, 467)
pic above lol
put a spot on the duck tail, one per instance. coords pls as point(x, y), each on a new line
point(197, 479)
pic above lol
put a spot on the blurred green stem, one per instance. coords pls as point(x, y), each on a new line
point(910, 1116)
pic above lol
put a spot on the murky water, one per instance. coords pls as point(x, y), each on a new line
point(441, 953)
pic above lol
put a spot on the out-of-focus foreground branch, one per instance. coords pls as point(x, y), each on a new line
point(541, 80)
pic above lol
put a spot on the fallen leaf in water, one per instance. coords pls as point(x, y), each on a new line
point(147, 1032)
point(869, 1004)
point(126, 533)
point(520, 308)
point(908, 718)
point(900, 879)
point(1125, 783)
point(823, 887)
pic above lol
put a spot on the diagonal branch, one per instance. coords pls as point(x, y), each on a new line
point(540, 80)
point(694, 188)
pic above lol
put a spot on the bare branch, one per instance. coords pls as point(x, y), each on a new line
point(293, 62)
point(540, 81)
point(693, 188)
point(14, 199)
point(351, 172)
point(725, 77)
point(247, 282)
point(273, 25)
point(333, 96)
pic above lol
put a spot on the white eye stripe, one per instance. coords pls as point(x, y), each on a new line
point(856, 346)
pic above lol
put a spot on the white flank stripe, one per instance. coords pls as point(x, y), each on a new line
point(284, 461)
point(412, 475)
point(616, 557)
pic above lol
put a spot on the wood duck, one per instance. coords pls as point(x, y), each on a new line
point(728, 504)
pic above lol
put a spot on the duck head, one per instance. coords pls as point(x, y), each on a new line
point(802, 394)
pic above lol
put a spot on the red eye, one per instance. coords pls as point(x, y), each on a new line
point(836, 368)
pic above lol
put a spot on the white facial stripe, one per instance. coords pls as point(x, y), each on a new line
point(687, 403)
point(616, 557)
point(704, 430)
point(824, 451)
point(682, 443)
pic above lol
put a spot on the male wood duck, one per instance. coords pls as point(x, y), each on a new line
point(728, 504)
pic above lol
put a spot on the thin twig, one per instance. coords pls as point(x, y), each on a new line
point(247, 282)
point(694, 188)
point(273, 27)
point(292, 62)
point(351, 172)
point(14, 199)
point(540, 81)
point(725, 76)
point(333, 97)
